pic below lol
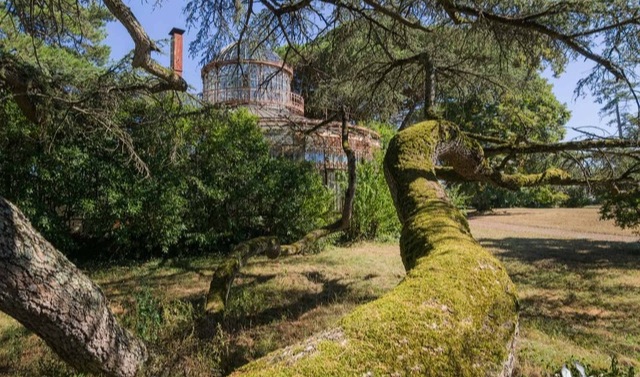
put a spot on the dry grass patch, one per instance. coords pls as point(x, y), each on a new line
point(579, 297)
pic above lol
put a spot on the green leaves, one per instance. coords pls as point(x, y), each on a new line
point(212, 184)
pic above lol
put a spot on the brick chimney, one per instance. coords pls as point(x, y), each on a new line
point(176, 50)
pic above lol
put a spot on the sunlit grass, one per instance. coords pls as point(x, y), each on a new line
point(580, 299)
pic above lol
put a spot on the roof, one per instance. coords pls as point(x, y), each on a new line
point(247, 50)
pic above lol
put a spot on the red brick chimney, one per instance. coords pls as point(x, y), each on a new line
point(176, 50)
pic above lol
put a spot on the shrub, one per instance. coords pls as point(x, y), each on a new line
point(486, 197)
point(212, 184)
point(623, 207)
point(374, 215)
point(578, 196)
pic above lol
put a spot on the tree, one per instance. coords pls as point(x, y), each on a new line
point(456, 311)
point(50, 66)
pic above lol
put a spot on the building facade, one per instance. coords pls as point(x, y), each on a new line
point(252, 76)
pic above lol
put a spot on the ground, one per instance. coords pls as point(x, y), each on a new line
point(578, 280)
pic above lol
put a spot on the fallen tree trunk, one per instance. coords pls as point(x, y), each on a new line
point(454, 314)
point(47, 294)
point(226, 272)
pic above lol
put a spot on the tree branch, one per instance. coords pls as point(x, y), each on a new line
point(560, 147)
point(143, 48)
point(556, 177)
point(529, 24)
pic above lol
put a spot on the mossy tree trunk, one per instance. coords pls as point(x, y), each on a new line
point(454, 314)
point(47, 294)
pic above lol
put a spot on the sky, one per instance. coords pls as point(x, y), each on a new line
point(159, 20)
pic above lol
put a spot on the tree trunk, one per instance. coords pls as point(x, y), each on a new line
point(454, 314)
point(429, 88)
point(618, 119)
point(46, 293)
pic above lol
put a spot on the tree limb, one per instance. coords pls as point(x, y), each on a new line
point(143, 48)
point(580, 145)
point(529, 24)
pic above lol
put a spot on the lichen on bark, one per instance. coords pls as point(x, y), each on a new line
point(454, 314)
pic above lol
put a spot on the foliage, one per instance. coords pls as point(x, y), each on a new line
point(578, 196)
point(618, 104)
point(458, 197)
point(488, 197)
point(623, 207)
point(532, 112)
point(374, 216)
point(212, 184)
point(145, 317)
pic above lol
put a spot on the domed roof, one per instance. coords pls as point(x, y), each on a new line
point(247, 50)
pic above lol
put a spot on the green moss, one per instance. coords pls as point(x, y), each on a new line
point(453, 315)
point(550, 176)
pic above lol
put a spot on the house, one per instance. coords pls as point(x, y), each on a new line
point(252, 76)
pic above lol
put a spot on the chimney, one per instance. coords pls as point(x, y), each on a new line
point(176, 50)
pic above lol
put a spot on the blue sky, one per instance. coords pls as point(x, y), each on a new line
point(158, 20)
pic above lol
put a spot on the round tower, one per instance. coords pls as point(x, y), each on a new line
point(249, 74)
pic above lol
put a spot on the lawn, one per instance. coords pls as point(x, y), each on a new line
point(578, 280)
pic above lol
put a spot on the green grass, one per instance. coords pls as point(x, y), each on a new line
point(580, 299)
point(273, 303)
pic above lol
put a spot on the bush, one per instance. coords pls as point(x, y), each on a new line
point(486, 197)
point(374, 214)
point(212, 184)
point(622, 206)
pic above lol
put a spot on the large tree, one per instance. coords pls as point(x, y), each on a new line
point(456, 311)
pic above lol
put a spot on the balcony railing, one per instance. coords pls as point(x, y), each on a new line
point(252, 96)
point(296, 103)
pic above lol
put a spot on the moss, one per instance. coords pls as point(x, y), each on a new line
point(550, 176)
point(455, 312)
point(226, 272)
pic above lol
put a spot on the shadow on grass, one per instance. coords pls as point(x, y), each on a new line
point(576, 254)
point(289, 303)
point(582, 291)
point(256, 311)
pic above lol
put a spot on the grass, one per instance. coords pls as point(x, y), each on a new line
point(273, 304)
point(580, 299)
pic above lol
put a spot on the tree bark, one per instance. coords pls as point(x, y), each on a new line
point(429, 88)
point(46, 293)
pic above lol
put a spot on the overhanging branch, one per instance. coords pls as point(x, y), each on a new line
point(143, 48)
point(581, 145)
